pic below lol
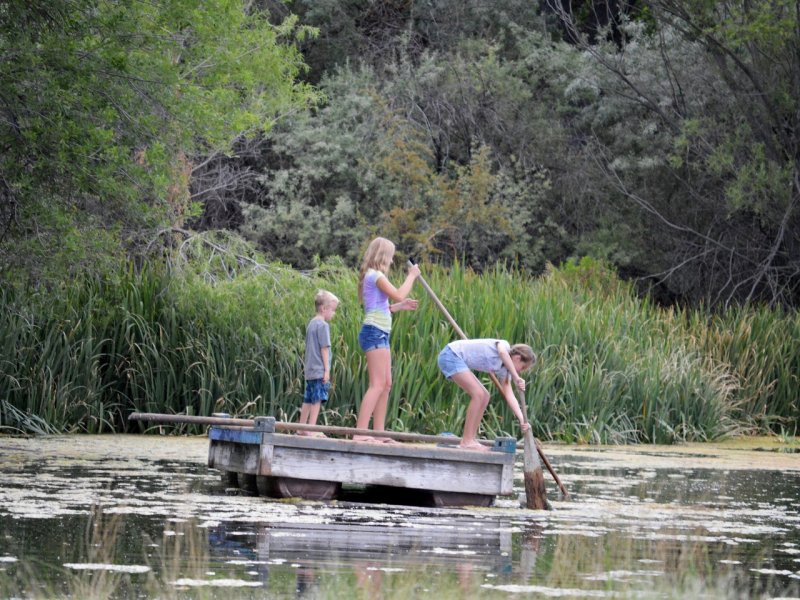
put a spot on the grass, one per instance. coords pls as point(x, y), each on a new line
point(613, 368)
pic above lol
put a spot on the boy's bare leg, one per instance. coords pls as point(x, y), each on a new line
point(312, 419)
point(479, 400)
point(305, 413)
point(314, 413)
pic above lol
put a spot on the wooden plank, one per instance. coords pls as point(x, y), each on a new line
point(233, 456)
point(265, 462)
point(507, 478)
point(429, 451)
point(281, 426)
point(404, 466)
point(239, 435)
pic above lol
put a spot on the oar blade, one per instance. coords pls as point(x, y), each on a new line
point(535, 491)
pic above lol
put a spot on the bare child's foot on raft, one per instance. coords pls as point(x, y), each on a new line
point(375, 440)
point(311, 433)
point(473, 445)
point(387, 440)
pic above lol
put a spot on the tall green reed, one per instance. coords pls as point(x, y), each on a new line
point(613, 368)
point(758, 345)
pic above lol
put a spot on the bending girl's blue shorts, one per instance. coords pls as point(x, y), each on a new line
point(372, 338)
point(450, 363)
point(316, 391)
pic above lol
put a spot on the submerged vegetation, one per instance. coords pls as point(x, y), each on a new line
point(613, 368)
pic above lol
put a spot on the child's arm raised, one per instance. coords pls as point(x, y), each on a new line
point(398, 294)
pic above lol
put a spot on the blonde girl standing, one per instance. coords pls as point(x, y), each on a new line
point(375, 291)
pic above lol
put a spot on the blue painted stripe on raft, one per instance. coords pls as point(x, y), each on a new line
point(505, 444)
point(242, 436)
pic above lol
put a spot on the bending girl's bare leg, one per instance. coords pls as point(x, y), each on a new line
point(479, 400)
point(379, 368)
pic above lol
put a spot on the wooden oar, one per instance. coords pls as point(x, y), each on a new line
point(532, 466)
point(284, 426)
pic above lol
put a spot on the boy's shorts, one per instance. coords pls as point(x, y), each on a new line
point(450, 363)
point(316, 391)
point(372, 338)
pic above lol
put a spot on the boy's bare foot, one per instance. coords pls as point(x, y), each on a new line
point(318, 434)
point(301, 432)
point(473, 445)
point(365, 438)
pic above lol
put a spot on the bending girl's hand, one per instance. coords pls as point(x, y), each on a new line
point(520, 383)
point(524, 427)
point(414, 271)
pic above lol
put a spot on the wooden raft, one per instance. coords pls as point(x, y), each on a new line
point(281, 465)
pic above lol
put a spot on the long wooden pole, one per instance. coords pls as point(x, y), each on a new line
point(494, 379)
point(283, 426)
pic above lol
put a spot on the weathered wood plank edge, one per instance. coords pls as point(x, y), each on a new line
point(284, 426)
point(401, 450)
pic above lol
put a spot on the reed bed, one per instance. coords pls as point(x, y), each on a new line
point(613, 368)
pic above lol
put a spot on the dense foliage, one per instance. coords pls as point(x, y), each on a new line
point(228, 337)
point(659, 137)
point(107, 109)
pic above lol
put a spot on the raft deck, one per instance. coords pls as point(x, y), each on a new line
point(281, 465)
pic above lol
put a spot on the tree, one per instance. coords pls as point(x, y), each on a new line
point(105, 107)
point(712, 91)
point(378, 34)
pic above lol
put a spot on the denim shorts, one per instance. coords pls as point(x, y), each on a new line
point(372, 338)
point(450, 363)
point(316, 391)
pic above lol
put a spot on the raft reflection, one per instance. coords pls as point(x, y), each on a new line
point(472, 548)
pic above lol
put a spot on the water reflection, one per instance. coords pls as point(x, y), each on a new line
point(84, 516)
point(472, 548)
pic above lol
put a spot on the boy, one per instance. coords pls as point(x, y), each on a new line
point(317, 361)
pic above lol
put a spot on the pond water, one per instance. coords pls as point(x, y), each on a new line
point(143, 517)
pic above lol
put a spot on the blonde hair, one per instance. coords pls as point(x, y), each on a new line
point(378, 256)
point(324, 298)
point(525, 353)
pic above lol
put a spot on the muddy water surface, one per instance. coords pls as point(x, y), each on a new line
point(142, 516)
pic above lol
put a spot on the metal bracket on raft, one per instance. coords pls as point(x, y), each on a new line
point(265, 424)
point(505, 444)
